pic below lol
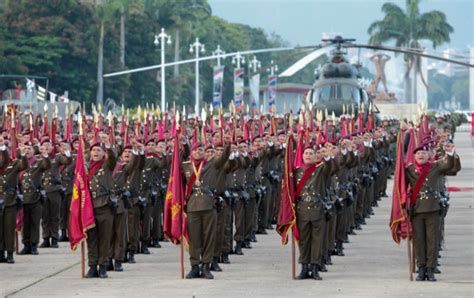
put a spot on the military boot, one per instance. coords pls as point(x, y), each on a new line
point(2, 257)
point(247, 244)
point(339, 249)
point(45, 243)
point(225, 258)
point(26, 249)
point(430, 274)
point(131, 257)
point(253, 238)
point(54, 243)
point(145, 248)
point(118, 266)
point(328, 260)
point(205, 272)
point(110, 265)
point(34, 249)
point(215, 265)
point(194, 273)
point(10, 259)
point(304, 272)
point(436, 270)
point(64, 237)
point(238, 248)
point(92, 272)
point(103, 271)
point(421, 274)
point(315, 272)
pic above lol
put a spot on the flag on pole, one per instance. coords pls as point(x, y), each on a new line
point(81, 217)
point(398, 220)
point(174, 225)
point(238, 88)
point(52, 96)
point(30, 85)
point(218, 80)
point(41, 93)
point(254, 86)
point(287, 213)
point(272, 81)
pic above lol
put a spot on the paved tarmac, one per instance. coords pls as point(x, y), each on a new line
point(373, 265)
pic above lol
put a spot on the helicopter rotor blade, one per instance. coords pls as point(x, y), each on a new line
point(300, 64)
point(412, 52)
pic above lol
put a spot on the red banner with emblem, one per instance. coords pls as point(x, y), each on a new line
point(174, 225)
point(81, 216)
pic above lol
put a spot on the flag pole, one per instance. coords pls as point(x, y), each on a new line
point(409, 248)
point(17, 243)
point(293, 256)
point(83, 260)
point(182, 256)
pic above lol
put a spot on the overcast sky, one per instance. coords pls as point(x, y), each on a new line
point(301, 22)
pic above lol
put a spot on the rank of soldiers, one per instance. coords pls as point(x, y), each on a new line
point(232, 168)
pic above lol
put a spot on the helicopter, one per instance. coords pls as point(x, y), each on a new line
point(337, 83)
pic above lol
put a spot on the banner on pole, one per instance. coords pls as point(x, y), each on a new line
point(41, 93)
point(238, 88)
point(52, 97)
point(254, 86)
point(218, 81)
point(272, 81)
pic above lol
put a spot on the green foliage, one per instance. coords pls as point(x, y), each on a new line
point(60, 39)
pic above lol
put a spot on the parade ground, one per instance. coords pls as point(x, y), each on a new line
point(373, 265)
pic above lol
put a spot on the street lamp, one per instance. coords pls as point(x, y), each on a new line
point(272, 86)
point(254, 64)
point(160, 39)
point(218, 53)
point(238, 59)
point(195, 48)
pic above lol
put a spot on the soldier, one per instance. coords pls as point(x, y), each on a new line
point(201, 184)
point(9, 200)
point(163, 177)
point(137, 202)
point(311, 191)
point(33, 199)
point(150, 189)
point(120, 248)
point(101, 166)
point(54, 192)
point(424, 178)
point(67, 180)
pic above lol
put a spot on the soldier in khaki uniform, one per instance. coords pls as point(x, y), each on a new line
point(67, 180)
point(425, 213)
point(31, 187)
point(54, 193)
point(9, 170)
point(101, 184)
point(311, 191)
point(201, 183)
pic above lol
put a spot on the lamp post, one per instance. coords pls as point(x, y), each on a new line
point(160, 40)
point(195, 48)
point(272, 87)
point(218, 53)
point(254, 64)
point(238, 59)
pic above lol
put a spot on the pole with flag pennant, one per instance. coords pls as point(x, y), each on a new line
point(81, 218)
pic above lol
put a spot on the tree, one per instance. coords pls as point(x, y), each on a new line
point(408, 28)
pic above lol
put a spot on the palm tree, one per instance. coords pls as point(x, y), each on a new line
point(408, 28)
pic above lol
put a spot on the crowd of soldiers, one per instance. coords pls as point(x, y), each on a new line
point(232, 170)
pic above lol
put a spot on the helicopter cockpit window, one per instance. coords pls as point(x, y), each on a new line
point(322, 94)
point(347, 92)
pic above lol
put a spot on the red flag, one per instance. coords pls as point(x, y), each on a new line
point(287, 213)
point(398, 220)
point(174, 224)
point(81, 216)
point(299, 150)
point(410, 157)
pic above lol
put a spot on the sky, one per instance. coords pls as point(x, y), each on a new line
point(301, 22)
